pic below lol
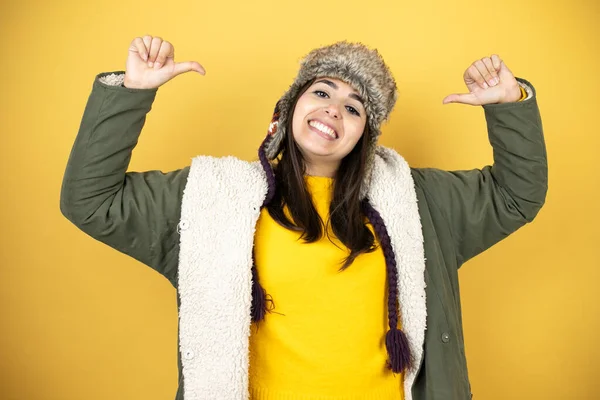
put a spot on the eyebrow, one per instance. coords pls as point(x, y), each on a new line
point(334, 86)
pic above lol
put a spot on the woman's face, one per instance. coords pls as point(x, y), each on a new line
point(328, 121)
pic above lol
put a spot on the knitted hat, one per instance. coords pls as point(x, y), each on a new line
point(357, 65)
point(364, 70)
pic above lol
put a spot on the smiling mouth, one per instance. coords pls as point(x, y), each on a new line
point(323, 130)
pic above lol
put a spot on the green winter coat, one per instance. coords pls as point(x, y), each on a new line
point(462, 212)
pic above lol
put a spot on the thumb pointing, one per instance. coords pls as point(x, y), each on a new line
point(467, 98)
point(188, 66)
point(449, 99)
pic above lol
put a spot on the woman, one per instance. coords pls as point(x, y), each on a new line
point(328, 270)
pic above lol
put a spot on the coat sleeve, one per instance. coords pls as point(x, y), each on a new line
point(484, 206)
point(134, 212)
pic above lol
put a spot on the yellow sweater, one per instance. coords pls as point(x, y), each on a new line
point(325, 338)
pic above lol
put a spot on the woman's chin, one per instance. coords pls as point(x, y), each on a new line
point(318, 151)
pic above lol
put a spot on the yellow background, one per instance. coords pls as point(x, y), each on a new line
point(79, 320)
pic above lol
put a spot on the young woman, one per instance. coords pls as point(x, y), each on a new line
point(328, 269)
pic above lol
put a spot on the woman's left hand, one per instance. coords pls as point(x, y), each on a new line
point(489, 81)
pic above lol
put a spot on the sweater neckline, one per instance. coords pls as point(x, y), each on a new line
point(318, 184)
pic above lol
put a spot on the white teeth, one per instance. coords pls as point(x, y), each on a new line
point(325, 129)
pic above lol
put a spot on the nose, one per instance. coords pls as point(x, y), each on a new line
point(333, 111)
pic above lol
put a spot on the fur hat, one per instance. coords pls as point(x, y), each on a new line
point(357, 65)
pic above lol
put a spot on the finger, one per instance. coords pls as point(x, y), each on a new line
point(153, 51)
point(466, 98)
point(485, 75)
point(188, 66)
point(496, 62)
point(505, 72)
point(138, 46)
point(147, 39)
point(472, 74)
point(166, 50)
point(490, 68)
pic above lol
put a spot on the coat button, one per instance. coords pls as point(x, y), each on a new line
point(183, 225)
point(188, 354)
point(445, 337)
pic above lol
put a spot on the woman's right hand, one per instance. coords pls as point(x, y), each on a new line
point(151, 63)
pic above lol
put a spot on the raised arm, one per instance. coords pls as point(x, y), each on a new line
point(133, 212)
point(483, 206)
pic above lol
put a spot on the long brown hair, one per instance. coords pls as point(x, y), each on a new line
point(346, 215)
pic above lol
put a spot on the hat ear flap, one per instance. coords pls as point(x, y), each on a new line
point(274, 134)
point(273, 124)
point(275, 119)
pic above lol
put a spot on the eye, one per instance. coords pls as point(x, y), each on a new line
point(319, 92)
point(353, 110)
